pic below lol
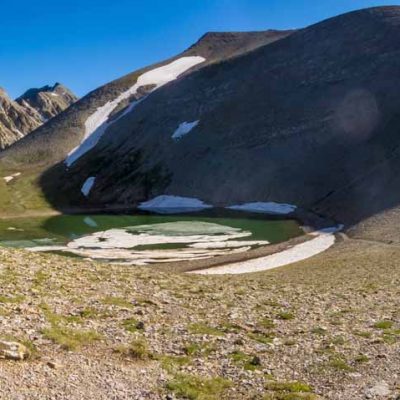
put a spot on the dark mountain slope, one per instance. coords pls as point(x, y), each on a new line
point(53, 141)
point(312, 119)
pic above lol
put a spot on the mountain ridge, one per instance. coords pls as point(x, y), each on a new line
point(32, 148)
point(297, 111)
point(315, 109)
point(21, 116)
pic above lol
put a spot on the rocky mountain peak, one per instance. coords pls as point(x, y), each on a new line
point(23, 115)
point(48, 100)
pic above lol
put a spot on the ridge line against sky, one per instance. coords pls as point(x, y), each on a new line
point(86, 43)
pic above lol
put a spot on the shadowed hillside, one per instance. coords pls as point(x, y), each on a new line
point(311, 120)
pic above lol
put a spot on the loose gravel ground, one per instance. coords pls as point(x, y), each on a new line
point(325, 328)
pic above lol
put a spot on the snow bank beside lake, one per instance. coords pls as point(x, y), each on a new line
point(97, 123)
point(267, 208)
point(297, 253)
point(173, 204)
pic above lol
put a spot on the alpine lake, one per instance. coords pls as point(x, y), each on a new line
point(145, 239)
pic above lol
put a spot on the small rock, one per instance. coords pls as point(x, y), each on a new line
point(381, 389)
point(54, 365)
point(13, 351)
point(140, 325)
point(256, 361)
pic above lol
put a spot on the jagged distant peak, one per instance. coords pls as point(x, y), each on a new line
point(56, 88)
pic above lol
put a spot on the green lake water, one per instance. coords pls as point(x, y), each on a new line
point(138, 233)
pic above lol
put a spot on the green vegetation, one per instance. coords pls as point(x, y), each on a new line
point(22, 194)
point(267, 323)
point(12, 300)
point(137, 350)
point(288, 391)
point(383, 324)
point(70, 339)
point(197, 349)
point(285, 315)
point(203, 329)
point(197, 388)
point(260, 337)
point(319, 331)
point(117, 301)
point(248, 362)
point(338, 363)
point(361, 358)
point(172, 363)
point(132, 325)
point(363, 334)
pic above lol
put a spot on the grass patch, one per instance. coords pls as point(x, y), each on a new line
point(248, 362)
point(57, 319)
point(197, 388)
point(363, 334)
point(391, 336)
point(203, 329)
point(12, 300)
point(338, 341)
point(132, 325)
point(40, 278)
point(228, 327)
point(117, 301)
point(261, 338)
point(362, 358)
point(318, 331)
point(267, 323)
point(383, 324)
point(137, 350)
point(289, 391)
point(70, 339)
point(196, 349)
point(286, 316)
point(172, 363)
point(339, 364)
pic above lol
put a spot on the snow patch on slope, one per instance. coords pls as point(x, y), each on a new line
point(97, 123)
point(173, 204)
point(267, 208)
point(11, 177)
point(184, 128)
point(87, 186)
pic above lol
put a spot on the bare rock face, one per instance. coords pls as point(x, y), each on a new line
point(31, 110)
point(15, 120)
point(48, 101)
point(13, 351)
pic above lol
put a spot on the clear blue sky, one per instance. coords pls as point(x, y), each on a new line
point(85, 43)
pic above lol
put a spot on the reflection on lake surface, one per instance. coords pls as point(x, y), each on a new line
point(145, 239)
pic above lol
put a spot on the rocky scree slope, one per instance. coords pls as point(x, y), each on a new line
point(31, 110)
point(55, 139)
point(311, 119)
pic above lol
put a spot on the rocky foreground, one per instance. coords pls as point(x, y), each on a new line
point(326, 328)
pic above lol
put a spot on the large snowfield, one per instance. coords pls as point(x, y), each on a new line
point(97, 123)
